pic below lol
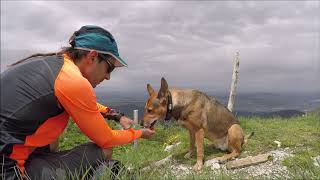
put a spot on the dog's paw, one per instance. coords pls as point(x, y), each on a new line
point(197, 167)
point(188, 155)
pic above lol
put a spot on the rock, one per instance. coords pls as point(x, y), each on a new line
point(213, 164)
point(278, 143)
point(170, 147)
point(316, 161)
point(248, 161)
point(271, 169)
point(163, 161)
point(159, 163)
point(181, 170)
point(280, 155)
point(267, 170)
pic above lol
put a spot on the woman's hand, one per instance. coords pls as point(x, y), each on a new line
point(147, 133)
point(126, 122)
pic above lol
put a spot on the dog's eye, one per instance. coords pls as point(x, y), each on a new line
point(149, 110)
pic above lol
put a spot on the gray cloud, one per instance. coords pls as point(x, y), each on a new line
point(192, 44)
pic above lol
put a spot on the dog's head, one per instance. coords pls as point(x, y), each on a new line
point(156, 106)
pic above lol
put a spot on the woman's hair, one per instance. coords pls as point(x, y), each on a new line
point(74, 54)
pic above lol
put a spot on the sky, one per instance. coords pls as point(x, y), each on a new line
point(190, 43)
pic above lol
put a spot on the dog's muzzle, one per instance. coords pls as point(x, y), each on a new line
point(151, 124)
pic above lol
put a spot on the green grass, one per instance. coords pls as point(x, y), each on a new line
point(300, 134)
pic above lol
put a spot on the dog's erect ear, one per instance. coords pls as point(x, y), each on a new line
point(163, 89)
point(150, 89)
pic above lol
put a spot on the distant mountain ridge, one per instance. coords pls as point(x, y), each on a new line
point(282, 113)
point(250, 104)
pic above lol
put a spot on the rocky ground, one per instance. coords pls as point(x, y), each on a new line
point(272, 167)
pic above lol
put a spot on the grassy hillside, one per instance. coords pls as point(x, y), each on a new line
point(315, 112)
point(300, 134)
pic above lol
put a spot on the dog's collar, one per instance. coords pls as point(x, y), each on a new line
point(169, 107)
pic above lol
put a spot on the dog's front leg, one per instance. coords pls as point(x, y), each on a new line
point(191, 145)
point(199, 136)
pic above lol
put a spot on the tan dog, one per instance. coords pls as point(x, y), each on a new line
point(202, 115)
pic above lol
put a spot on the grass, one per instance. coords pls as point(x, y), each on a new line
point(300, 134)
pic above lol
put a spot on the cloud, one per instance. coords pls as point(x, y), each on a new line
point(191, 43)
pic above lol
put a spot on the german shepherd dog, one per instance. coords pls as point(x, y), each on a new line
point(202, 115)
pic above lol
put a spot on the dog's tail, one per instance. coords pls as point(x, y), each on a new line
point(248, 136)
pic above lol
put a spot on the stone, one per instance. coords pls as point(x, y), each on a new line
point(213, 164)
point(316, 161)
point(170, 147)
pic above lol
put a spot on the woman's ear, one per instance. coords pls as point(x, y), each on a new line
point(92, 55)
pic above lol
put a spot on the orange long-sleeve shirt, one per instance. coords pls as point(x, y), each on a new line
point(30, 94)
point(76, 95)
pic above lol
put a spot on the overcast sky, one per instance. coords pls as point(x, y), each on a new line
point(191, 44)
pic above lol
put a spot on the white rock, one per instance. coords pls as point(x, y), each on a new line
point(181, 167)
point(278, 143)
point(280, 155)
point(316, 161)
point(213, 164)
point(181, 170)
point(159, 163)
point(163, 161)
point(170, 147)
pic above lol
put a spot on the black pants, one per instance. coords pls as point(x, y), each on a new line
point(76, 163)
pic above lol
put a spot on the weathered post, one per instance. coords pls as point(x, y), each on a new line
point(135, 119)
point(232, 95)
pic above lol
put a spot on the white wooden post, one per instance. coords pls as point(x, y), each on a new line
point(135, 119)
point(232, 95)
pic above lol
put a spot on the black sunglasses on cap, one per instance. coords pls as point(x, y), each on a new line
point(107, 59)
